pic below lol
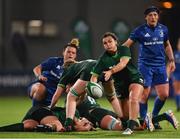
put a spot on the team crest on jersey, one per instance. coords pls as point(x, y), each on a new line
point(161, 33)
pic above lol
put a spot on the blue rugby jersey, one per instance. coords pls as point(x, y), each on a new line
point(52, 69)
point(177, 62)
point(151, 40)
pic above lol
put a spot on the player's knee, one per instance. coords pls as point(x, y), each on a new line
point(38, 93)
point(29, 126)
point(110, 123)
point(163, 96)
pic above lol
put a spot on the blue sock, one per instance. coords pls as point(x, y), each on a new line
point(177, 100)
point(143, 110)
point(158, 104)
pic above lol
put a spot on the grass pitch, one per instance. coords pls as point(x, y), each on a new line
point(13, 109)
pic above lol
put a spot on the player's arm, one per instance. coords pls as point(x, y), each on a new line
point(38, 73)
point(128, 43)
point(56, 96)
point(94, 78)
point(121, 65)
point(169, 53)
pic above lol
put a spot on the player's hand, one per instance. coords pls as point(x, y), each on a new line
point(171, 66)
point(42, 78)
point(107, 75)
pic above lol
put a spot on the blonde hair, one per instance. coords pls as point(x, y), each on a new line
point(68, 63)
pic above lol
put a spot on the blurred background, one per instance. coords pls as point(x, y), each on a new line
point(33, 30)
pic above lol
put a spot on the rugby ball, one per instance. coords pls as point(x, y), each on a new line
point(94, 90)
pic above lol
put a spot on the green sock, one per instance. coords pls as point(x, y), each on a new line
point(13, 128)
point(132, 124)
point(124, 123)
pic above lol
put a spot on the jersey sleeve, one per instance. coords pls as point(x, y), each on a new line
point(98, 68)
point(166, 34)
point(65, 78)
point(124, 51)
point(48, 63)
point(134, 35)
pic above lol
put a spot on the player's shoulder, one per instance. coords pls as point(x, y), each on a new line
point(140, 28)
point(56, 59)
point(161, 26)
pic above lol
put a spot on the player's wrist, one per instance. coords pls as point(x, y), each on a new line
point(37, 76)
point(171, 60)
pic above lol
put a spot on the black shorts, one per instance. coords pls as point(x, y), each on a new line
point(37, 113)
point(98, 114)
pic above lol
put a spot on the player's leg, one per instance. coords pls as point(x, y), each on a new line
point(162, 91)
point(53, 122)
point(144, 102)
point(30, 124)
point(147, 75)
point(18, 127)
point(108, 122)
point(161, 84)
point(111, 96)
point(134, 98)
point(176, 85)
point(168, 116)
point(76, 90)
point(124, 103)
point(37, 92)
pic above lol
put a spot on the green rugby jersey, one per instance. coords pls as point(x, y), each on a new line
point(86, 105)
point(61, 114)
point(80, 70)
point(107, 61)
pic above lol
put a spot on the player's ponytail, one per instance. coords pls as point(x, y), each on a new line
point(73, 43)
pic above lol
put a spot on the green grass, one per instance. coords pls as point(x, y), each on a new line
point(13, 109)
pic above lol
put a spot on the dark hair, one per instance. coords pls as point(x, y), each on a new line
point(151, 9)
point(110, 34)
point(73, 43)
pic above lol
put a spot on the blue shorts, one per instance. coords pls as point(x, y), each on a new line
point(176, 76)
point(153, 75)
point(50, 90)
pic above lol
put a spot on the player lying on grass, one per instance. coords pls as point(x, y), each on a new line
point(108, 120)
point(43, 119)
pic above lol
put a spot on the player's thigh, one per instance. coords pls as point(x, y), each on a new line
point(37, 88)
point(79, 86)
point(52, 120)
point(29, 124)
point(176, 85)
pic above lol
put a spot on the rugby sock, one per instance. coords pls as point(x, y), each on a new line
point(124, 122)
point(159, 118)
point(132, 124)
point(177, 97)
point(143, 110)
point(158, 104)
point(13, 128)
